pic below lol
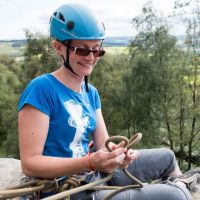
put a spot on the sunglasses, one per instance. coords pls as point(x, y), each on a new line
point(85, 52)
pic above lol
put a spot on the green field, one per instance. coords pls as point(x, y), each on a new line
point(8, 49)
point(116, 50)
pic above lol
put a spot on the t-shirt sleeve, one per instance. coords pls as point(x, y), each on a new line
point(37, 95)
point(94, 97)
point(98, 100)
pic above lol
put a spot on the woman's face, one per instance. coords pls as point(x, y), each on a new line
point(83, 65)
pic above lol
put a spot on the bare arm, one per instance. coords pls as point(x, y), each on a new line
point(33, 129)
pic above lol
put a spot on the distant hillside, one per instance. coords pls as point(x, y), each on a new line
point(16, 47)
point(109, 41)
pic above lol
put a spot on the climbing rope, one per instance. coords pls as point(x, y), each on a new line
point(29, 188)
point(72, 185)
point(128, 144)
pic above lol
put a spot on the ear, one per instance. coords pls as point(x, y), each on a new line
point(57, 46)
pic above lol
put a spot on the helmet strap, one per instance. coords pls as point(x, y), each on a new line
point(66, 62)
point(86, 83)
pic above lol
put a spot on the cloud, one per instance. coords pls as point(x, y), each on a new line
point(15, 15)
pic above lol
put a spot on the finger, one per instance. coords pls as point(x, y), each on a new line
point(132, 154)
point(116, 153)
point(126, 163)
point(115, 146)
point(124, 166)
point(117, 161)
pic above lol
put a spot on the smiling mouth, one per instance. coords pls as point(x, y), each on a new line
point(85, 65)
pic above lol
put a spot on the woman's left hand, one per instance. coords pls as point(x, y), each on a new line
point(131, 155)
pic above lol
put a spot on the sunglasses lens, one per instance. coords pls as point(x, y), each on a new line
point(99, 53)
point(85, 52)
point(82, 51)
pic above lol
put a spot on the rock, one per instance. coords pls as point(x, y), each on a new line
point(196, 195)
point(10, 173)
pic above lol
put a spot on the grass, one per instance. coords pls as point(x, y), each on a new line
point(116, 50)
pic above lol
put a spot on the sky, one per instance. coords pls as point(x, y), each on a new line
point(16, 15)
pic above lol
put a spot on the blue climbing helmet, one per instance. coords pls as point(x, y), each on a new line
point(75, 22)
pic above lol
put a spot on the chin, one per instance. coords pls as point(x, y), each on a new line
point(87, 73)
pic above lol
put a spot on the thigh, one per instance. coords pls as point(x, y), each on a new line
point(148, 192)
point(151, 164)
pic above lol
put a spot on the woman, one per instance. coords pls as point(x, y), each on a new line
point(59, 111)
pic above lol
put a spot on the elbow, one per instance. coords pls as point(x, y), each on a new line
point(27, 170)
point(33, 168)
point(29, 166)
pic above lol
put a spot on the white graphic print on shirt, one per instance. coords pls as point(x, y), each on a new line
point(78, 121)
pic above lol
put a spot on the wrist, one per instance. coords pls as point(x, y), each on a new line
point(90, 165)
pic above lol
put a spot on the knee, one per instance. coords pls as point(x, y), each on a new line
point(168, 153)
point(169, 158)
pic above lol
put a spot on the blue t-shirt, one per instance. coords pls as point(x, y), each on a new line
point(72, 116)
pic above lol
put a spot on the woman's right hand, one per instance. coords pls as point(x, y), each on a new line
point(106, 161)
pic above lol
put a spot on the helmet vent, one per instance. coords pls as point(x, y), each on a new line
point(70, 25)
point(61, 17)
point(103, 26)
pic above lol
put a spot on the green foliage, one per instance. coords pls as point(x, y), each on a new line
point(9, 84)
point(39, 57)
point(152, 53)
point(164, 81)
point(107, 77)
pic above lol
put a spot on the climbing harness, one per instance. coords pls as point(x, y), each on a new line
point(72, 185)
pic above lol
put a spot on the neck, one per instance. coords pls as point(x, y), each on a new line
point(69, 79)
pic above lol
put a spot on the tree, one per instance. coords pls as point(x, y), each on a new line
point(152, 52)
point(191, 77)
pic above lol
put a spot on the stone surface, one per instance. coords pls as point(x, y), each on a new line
point(10, 173)
point(196, 195)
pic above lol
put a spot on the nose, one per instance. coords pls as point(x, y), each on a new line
point(90, 56)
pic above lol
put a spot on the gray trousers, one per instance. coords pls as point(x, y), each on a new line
point(152, 164)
